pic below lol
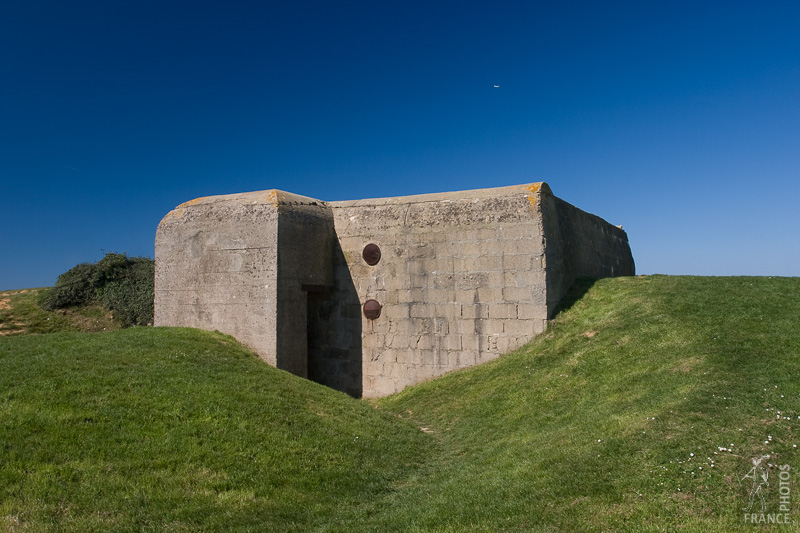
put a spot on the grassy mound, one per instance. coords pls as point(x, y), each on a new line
point(640, 409)
point(20, 313)
point(181, 430)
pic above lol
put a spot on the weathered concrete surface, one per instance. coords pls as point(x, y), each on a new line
point(238, 263)
point(461, 280)
point(463, 277)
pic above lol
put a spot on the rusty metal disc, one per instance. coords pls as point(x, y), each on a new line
point(371, 254)
point(372, 309)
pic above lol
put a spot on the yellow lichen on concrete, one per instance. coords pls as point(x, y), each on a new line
point(175, 213)
point(532, 189)
point(179, 211)
point(193, 202)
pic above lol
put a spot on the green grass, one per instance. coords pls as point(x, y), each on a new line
point(640, 409)
point(181, 430)
point(613, 419)
point(20, 313)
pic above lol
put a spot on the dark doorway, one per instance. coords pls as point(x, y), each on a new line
point(334, 331)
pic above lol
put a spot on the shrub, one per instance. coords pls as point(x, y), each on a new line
point(122, 284)
point(74, 287)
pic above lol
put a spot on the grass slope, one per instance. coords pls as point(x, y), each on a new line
point(20, 314)
point(181, 430)
point(640, 409)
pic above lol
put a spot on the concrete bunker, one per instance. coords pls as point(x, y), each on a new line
point(371, 296)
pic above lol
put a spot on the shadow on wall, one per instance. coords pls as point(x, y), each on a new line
point(334, 332)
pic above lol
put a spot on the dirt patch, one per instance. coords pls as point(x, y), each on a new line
point(687, 365)
point(683, 496)
point(103, 322)
point(12, 328)
point(4, 303)
point(589, 334)
point(11, 522)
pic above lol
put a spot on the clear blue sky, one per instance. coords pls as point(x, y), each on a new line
point(678, 120)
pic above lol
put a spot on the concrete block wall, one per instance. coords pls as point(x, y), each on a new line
point(461, 280)
point(463, 277)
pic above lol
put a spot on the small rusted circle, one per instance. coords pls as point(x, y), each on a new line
point(372, 309)
point(371, 254)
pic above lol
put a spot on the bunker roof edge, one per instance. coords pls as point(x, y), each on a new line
point(274, 197)
point(278, 197)
point(492, 192)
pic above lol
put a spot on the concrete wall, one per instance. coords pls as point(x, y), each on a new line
point(243, 264)
point(463, 277)
point(579, 244)
point(217, 268)
point(460, 280)
point(305, 255)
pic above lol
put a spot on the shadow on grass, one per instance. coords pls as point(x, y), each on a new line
point(578, 289)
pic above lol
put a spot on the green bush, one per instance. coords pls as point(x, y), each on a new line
point(122, 284)
point(74, 287)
